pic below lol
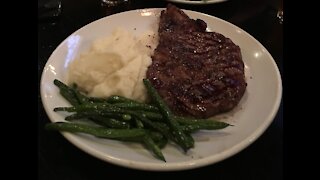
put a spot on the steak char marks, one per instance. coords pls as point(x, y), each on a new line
point(197, 73)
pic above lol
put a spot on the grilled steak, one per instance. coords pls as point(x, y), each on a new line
point(197, 73)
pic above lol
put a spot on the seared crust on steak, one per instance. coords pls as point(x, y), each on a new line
point(197, 73)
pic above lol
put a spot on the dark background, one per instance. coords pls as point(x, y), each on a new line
point(59, 159)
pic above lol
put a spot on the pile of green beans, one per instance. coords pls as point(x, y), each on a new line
point(121, 118)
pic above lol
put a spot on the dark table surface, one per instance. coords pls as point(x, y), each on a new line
point(59, 159)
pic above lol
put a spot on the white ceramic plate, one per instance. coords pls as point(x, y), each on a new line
point(197, 2)
point(250, 118)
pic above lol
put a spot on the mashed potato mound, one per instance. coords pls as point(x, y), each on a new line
point(115, 65)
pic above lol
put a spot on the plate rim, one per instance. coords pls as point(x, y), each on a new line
point(174, 166)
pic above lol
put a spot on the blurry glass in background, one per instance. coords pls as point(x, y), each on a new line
point(280, 12)
point(112, 3)
point(109, 7)
point(49, 9)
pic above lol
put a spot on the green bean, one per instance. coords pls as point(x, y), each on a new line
point(163, 108)
point(156, 136)
point(86, 115)
point(198, 124)
point(152, 115)
point(110, 122)
point(129, 120)
point(97, 131)
point(139, 124)
point(141, 135)
point(188, 125)
point(150, 144)
point(162, 125)
point(99, 109)
point(162, 142)
point(66, 92)
point(190, 120)
point(82, 99)
point(119, 99)
point(151, 124)
point(209, 123)
point(76, 116)
point(105, 109)
point(156, 126)
point(88, 107)
point(136, 106)
point(195, 127)
point(91, 110)
point(98, 100)
point(101, 120)
point(68, 109)
point(126, 117)
point(111, 100)
point(186, 142)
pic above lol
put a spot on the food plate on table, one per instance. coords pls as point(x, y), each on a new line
point(250, 118)
point(197, 2)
